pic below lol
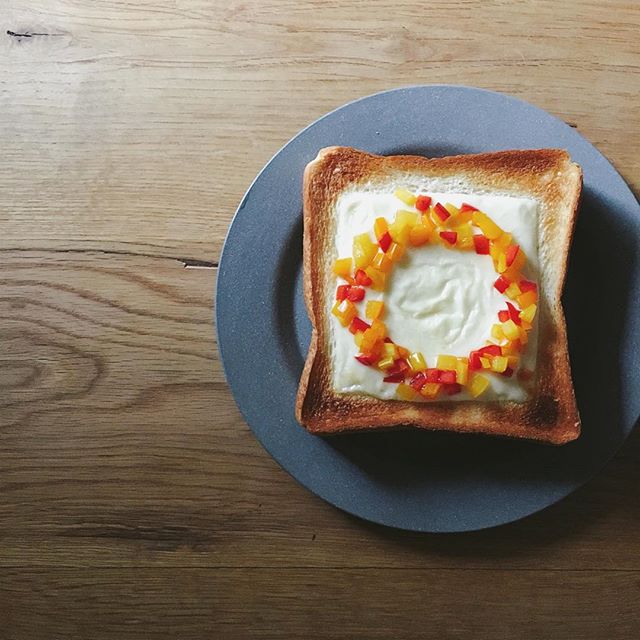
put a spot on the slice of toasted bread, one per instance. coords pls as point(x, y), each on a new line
point(546, 175)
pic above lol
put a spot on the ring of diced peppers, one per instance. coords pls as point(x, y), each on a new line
point(453, 227)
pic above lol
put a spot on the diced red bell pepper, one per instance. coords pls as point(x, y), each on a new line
point(388, 340)
point(511, 253)
point(449, 236)
point(400, 366)
point(514, 314)
point(441, 212)
point(501, 284)
point(385, 241)
point(367, 360)
point(447, 377)
point(342, 292)
point(503, 315)
point(423, 202)
point(355, 294)
point(467, 207)
point(507, 373)
point(490, 350)
point(357, 324)
point(362, 278)
point(481, 244)
point(452, 389)
point(474, 361)
point(432, 375)
point(417, 382)
point(394, 377)
point(527, 285)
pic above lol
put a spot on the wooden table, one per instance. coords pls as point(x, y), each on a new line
point(134, 500)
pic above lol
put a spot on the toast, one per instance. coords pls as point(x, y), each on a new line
point(547, 176)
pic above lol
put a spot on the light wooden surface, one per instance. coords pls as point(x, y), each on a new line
point(134, 501)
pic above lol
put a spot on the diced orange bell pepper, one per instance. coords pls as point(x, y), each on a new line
point(419, 235)
point(403, 353)
point(382, 262)
point(380, 227)
point(478, 385)
point(378, 278)
point(345, 311)
point(513, 361)
point(486, 225)
point(395, 252)
point(513, 347)
point(379, 329)
point(526, 299)
point(406, 196)
point(374, 309)
point(342, 267)
point(524, 335)
point(364, 250)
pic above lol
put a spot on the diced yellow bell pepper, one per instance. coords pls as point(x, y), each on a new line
point(374, 309)
point(430, 389)
point(386, 363)
point(513, 361)
point(488, 227)
point(378, 278)
point(390, 350)
point(417, 362)
point(342, 267)
point(401, 226)
point(527, 298)
point(499, 364)
point(427, 221)
point(357, 338)
point(465, 236)
point(364, 250)
point(503, 240)
point(452, 209)
point(434, 218)
point(395, 251)
point(345, 311)
point(407, 218)
point(382, 262)
point(513, 291)
point(462, 371)
point(510, 329)
point(419, 235)
point(501, 267)
point(497, 332)
point(485, 362)
point(406, 196)
point(478, 385)
point(380, 227)
point(447, 362)
point(405, 392)
point(529, 313)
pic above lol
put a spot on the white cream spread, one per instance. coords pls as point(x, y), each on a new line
point(437, 300)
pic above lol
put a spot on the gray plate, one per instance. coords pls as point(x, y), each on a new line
point(419, 480)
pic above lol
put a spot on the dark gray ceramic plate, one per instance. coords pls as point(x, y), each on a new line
point(419, 480)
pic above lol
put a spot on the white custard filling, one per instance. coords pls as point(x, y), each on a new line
point(437, 300)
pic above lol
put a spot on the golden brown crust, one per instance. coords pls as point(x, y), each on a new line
point(545, 174)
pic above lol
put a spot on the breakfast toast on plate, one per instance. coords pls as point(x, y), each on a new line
point(433, 286)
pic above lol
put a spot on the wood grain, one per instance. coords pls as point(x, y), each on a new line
point(134, 501)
